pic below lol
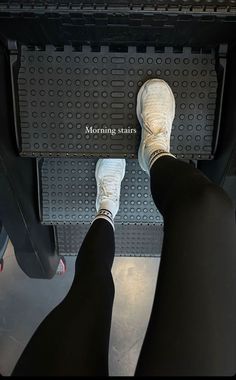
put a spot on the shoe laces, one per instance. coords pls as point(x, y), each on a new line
point(156, 124)
point(108, 188)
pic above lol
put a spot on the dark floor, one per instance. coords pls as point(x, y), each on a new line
point(25, 302)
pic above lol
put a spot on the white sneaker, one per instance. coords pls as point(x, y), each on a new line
point(155, 112)
point(109, 174)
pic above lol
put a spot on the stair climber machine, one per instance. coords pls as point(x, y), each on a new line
point(69, 75)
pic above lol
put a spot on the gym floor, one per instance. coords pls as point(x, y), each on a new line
point(24, 303)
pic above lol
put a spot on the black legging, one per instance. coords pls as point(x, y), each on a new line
point(192, 329)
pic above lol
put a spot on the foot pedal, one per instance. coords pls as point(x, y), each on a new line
point(68, 193)
point(82, 103)
point(138, 240)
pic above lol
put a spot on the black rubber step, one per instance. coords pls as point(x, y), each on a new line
point(67, 193)
point(64, 93)
point(130, 240)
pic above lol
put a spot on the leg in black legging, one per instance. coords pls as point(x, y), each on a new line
point(192, 329)
point(74, 338)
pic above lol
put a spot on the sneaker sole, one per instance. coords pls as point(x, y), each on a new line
point(141, 160)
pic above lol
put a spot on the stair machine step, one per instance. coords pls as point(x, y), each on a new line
point(67, 196)
point(67, 97)
point(143, 240)
point(68, 192)
point(62, 93)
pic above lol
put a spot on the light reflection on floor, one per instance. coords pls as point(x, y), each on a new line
point(24, 302)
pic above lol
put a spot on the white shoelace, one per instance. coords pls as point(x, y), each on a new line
point(158, 121)
point(108, 189)
point(162, 137)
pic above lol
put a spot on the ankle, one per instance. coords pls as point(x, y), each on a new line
point(110, 206)
point(155, 155)
point(105, 214)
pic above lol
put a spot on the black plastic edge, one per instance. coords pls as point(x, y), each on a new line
point(39, 162)
point(14, 69)
point(4, 239)
point(221, 62)
point(56, 240)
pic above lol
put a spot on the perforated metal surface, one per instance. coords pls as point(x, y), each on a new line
point(68, 192)
point(97, 4)
point(63, 92)
point(130, 240)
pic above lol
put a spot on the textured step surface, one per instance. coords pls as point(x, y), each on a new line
point(63, 92)
point(130, 240)
point(68, 192)
point(77, 5)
